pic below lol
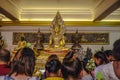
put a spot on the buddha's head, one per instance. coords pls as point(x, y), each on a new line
point(56, 28)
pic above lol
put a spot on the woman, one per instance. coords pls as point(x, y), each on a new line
point(85, 73)
point(22, 66)
point(51, 57)
point(109, 55)
point(112, 70)
point(71, 69)
point(100, 60)
point(53, 69)
point(71, 66)
point(4, 61)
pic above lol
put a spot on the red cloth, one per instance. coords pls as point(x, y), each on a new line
point(4, 69)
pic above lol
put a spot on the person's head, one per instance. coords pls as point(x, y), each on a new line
point(53, 56)
point(109, 55)
point(71, 69)
point(4, 55)
point(53, 67)
point(23, 62)
point(100, 58)
point(116, 49)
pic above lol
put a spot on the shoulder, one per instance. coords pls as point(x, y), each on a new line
point(87, 77)
point(99, 68)
point(5, 77)
point(107, 66)
point(54, 78)
point(2, 77)
point(33, 78)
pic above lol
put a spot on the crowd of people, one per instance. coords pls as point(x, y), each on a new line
point(71, 68)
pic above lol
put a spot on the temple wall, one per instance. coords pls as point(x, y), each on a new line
point(114, 34)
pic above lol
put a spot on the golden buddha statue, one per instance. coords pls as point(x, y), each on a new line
point(56, 44)
point(22, 43)
point(57, 38)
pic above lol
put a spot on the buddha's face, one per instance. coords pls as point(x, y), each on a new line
point(57, 29)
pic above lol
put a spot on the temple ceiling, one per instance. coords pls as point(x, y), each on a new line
point(26, 11)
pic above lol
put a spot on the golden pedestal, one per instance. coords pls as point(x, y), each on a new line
point(43, 56)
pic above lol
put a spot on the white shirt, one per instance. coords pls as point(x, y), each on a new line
point(108, 72)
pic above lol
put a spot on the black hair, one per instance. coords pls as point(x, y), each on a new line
point(116, 49)
point(4, 55)
point(53, 56)
point(71, 69)
point(23, 62)
point(108, 52)
point(53, 66)
point(100, 55)
point(84, 63)
point(69, 56)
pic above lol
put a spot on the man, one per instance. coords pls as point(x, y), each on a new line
point(112, 70)
point(4, 59)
